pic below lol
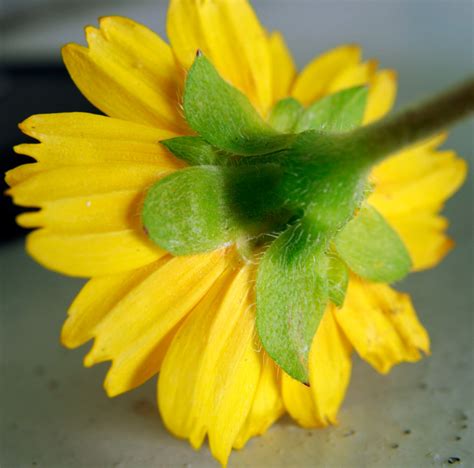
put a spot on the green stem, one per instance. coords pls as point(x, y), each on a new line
point(415, 123)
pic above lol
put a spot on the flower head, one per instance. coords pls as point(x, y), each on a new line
point(191, 316)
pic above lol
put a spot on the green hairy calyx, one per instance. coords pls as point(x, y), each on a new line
point(293, 185)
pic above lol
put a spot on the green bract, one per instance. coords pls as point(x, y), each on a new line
point(292, 294)
point(285, 114)
point(372, 249)
point(203, 208)
point(224, 117)
point(338, 112)
point(296, 182)
point(197, 152)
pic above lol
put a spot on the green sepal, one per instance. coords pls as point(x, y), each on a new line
point(285, 114)
point(292, 294)
point(224, 117)
point(338, 280)
point(338, 112)
point(203, 208)
point(197, 152)
point(372, 249)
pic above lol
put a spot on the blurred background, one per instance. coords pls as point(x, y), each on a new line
point(54, 412)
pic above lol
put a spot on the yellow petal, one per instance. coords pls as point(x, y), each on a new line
point(382, 93)
point(432, 178)
point(423, 234)
point(230, 35)
point(115, 211)
point(210, 374)
point(132, 332)
point(329, 367)
point(80, 181)
point(381, 325)
point(284, 70)
point(97, 298)
point(184, 31)
point(329, 374)
point(92, 254)
point(299, 403)
point(313, 82)
point(181, 366)
point(239, 368)
point(355, 75)
point(127, 72)
point(79, 138)
point(25, 171)
point(267, 405)
point(411, 163)
point(143, 49)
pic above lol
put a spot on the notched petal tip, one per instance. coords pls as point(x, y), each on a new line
point(91, 358)
point(108, 20)
point(112, 385)
point(372, 65)
point(69, 52)
point(65, 338)
point(28, 127)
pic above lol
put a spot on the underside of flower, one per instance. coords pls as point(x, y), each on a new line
point(293, 187)
point(264, 214)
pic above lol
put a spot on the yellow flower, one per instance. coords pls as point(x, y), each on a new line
point(192, 318)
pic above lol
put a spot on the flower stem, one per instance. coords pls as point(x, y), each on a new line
point(415, 123)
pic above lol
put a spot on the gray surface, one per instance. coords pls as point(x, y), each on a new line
point(54, 413)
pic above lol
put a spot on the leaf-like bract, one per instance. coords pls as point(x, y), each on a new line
point(202, 208)
point(196, 151)
point(285, 114)
point(338, 280)
point(224, 116)
point(338, 112)
point(372, 249)
point(292, 294)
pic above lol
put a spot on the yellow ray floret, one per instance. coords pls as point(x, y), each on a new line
point(411, 187)
point(92, 254)
point(283, 67)
point(381, 325)
point(76, 138)
point(93, 179)
point(267, 405)
point(211, 371)
point(215, 27)
point(136, 324)
point(114, 211)
point(329, 374)
point(134, 74)
point(424, 235)
point(354, 75)
point(382, 93)
point(314, 81)
point(97, 298)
